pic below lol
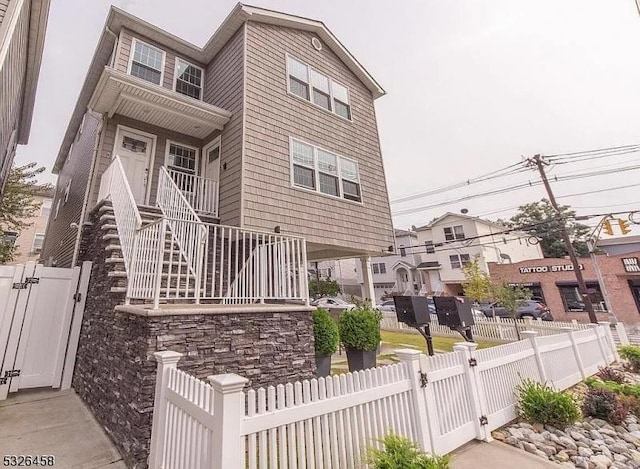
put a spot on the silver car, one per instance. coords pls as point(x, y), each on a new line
point(333, 303)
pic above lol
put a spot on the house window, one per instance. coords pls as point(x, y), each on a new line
point(403, 252)
point(453, 233)
point(430, 248)
point(379, 268)
point(182, 160)
point(459, 260)
point(45, 208)
point(38, 242)
point(188, 79)
point(67, 190)
point(631, 264)
point(326, 172)
point(375, 268)
point(572, 299)
point(147, 62)
point(383, 268)
point(311, 85)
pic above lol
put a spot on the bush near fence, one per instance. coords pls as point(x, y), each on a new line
point(440, 402)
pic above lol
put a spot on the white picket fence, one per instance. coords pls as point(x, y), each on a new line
point(441, 402)
point(500, 328)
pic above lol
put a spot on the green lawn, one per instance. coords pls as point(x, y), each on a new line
point(445, 344)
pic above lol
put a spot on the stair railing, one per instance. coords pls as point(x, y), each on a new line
point(115, 186)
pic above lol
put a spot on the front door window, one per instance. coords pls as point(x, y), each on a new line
point(212, 161)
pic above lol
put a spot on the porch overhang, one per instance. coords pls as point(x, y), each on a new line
point(120, 93)
point(435, 265)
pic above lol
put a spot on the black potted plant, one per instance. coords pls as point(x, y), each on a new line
point(360, 336)
point(326, 339)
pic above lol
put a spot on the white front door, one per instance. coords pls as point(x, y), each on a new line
point(134, 150)
point(211, 161)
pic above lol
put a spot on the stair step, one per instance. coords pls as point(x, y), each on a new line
point(106, 207)
point(113, 247)
point(114, 260)
point(118, 290)
point(117, 273)
point(109, 226)
point(110, 236)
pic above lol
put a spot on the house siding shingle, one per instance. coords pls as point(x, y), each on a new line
point(12, 82)
point(224, 88)
point(273, 116)
point(60, 240)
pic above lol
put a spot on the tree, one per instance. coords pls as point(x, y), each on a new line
point(320, 288)
point(18, 205)
point(477, 286)
point(511, 298)
point(540, 220)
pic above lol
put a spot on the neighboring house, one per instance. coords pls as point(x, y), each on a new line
point(345, 272)
point(619, 245)
point(397, 273)
point(428, 260)
point(452, 240)
point(22, 30)
point(30, 240)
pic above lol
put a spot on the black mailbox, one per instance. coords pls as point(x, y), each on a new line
point(454, 311)
point(412, 310)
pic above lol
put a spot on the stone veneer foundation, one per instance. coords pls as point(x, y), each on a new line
point(115, 369)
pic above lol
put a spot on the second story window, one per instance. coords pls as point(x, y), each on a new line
point(323, 171)
point(430, 248)
point(45, 208)
point(379, 268)
point(459, 260)
point(311, 85)
point(188, 79)
point(454, 233)
point(403, 252)
point(147, 62)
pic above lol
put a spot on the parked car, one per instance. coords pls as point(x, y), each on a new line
point(530, 308)
point(333, 303)
point(387, 306)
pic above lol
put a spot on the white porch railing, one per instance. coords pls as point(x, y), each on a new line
point(236, 265)
point(440, 402)
point(200, 192)
point(115, 186)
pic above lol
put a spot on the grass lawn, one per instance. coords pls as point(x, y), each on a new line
point(445, 344)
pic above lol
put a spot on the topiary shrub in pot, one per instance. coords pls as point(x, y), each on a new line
point(326, 339)
point(360, 336)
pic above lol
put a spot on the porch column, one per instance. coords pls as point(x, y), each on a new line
point(368, 291)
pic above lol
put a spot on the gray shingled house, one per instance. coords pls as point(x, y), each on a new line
point(200, 181)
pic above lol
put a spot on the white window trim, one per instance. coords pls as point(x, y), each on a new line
point(67, 190)
point(134, 41)
point(55, 216)
point(460, 261)
point(310, 100)
point(33, 243)
point(316, 175)
point(453, 233)
point(175, 77)
point(180, 144)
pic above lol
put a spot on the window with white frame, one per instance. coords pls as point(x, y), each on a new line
point(38, 242)
point(324, 171)
point(459, 260)
point(147, 62)
point(188, 79)
point(454, 233)
point(67, 190)
point(181, 160)
point(379, 268)
point(45, 208)
point(311, 85)
point(429, 247)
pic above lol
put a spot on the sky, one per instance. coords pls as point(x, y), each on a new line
point(471, 87)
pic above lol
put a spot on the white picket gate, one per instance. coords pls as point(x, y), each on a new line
point(441, 402)
point(41, 312)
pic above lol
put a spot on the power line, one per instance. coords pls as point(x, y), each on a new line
point(576, 154)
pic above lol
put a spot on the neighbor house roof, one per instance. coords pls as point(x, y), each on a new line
point(439, 220)
point(118, 19)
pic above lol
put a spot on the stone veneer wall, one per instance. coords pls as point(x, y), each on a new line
point(115, 369)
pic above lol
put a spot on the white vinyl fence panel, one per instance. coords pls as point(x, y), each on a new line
point(440, 402)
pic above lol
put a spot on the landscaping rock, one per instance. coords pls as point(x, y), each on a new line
point(568, 443)
point(586, 452)
point(536, 438)
point(562, 456)
point(601, 461)
point(529, 447)
point(548, 450)
point(500, 436)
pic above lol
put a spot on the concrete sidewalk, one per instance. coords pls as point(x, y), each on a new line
point(496, 455)
point(55, 423)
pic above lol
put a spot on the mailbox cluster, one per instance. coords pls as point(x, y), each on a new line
point(452, 311)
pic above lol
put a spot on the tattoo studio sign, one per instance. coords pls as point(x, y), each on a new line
point(545, 269)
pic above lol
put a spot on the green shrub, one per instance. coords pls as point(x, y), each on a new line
point(325, 333)
point(632, 354)
point(632, 403)
point(540, 403)
point(609, 374)
point(360, 328)
point(401, 453)
point(604, 404)
point(626, 389)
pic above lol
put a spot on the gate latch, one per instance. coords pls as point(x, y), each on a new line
point(9, 374)
point(33, 280)
point(77, 297)
point(19, 285)
point(423, 380)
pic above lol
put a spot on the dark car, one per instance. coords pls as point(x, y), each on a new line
point(530, 309)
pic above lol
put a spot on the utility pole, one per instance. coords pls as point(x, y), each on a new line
point(539, 163)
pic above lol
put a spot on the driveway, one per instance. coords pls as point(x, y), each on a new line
point(48, 422)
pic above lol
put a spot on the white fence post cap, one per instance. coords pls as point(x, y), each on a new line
point(567, 328)
point(593, 326)
point(167, 357)
point(604, 323)
point(471, 346)
point(227, 383)
point(407, 354)
point(529, 333)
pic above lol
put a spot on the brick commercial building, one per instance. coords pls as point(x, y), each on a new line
point(553, 281)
